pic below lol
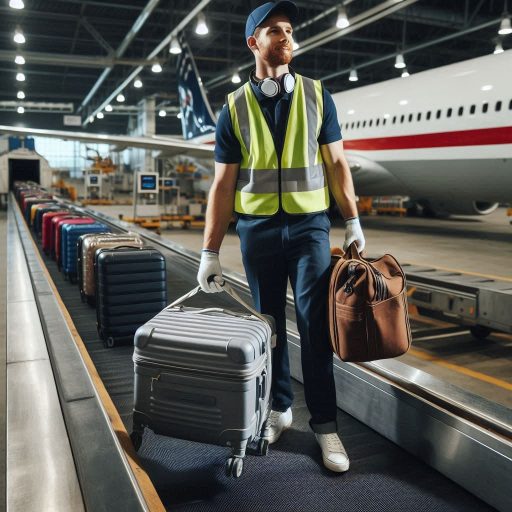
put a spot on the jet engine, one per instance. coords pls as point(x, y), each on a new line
point(440, 208)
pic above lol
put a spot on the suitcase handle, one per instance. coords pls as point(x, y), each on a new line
point(229, 290)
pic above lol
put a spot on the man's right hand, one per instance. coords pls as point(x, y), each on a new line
point(208, 269)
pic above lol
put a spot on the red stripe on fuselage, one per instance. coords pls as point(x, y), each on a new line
point(481, 137)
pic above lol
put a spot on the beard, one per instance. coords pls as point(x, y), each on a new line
point(278, 56)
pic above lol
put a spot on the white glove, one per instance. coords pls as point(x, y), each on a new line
point(210, 268)
point(354, 233)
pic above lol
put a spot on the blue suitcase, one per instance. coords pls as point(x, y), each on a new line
point(68, 247)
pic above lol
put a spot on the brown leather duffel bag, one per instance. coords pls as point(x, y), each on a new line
point(368, 316)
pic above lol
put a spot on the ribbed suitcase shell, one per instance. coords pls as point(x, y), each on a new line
point(55, 228)
point(202, 376)
point(46, 230)
point(58, 234)
point(35, 208)
point(87, 246)
point(41, 210)
point(31, 201)
point(70, 234)
point(131, 287)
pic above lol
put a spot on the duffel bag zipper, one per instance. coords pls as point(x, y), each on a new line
point(349, 285)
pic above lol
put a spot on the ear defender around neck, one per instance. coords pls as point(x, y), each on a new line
point(271, 87)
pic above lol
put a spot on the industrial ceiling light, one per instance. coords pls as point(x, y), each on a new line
point(296, 45)
point(21, 110)
point(16, 4)
point(156, 68)
point(179, 116)
point(162, 113)
point(399, 61)
point(201, 27)
point(353, 76)
point(19, 60)
point(505, 26)
point(18, 36)
point(175, 47)
point(100, 115)
point(498, 48)
point(236, 78)
point(405, 73)
point(20, 95)
point(120, 98)
point(108, 108)
point(20, 77)
point(91, 119)
point(138, 83)
point(342, 20)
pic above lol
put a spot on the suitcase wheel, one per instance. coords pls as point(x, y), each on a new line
point(258, 446)
point(234, 467)
point(109, 342)
point(263, 447)
point(136, 438)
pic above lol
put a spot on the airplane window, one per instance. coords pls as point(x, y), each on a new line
point(418, 117)
point(402, 117)
point(352, 125)
point(485, 107)
point(364, 124)
point(498, 106)
point(428, 115)
point(438, 114)
point(358, 123)
point(461, 111)
point(472, 109)
point(449, 112)
point(378, 121)
point(410, 118)
point(394, 117)
point(510, 105)
point(371, 122)
point(384, 121)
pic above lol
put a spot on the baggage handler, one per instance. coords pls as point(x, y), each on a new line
point(278, 153)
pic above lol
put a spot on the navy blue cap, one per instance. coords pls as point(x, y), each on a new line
point(261, 13)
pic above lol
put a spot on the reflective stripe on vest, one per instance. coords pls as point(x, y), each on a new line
point(303, 183)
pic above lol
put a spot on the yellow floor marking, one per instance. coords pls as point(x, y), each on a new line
point(145, 484)
point(488, 276)
point(420, 354)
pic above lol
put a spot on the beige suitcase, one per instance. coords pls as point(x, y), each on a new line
point(90, 244)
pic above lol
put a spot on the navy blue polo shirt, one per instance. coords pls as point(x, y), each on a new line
point(227, 146)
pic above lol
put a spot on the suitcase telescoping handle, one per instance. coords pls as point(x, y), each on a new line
point(229, 290)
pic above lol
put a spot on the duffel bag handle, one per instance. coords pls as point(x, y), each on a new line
point(229, 290)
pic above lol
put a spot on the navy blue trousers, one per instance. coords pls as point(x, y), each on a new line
point(294, 247)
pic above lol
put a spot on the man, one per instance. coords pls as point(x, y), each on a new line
point(274, 137)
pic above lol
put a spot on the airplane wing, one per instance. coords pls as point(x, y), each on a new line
point(168, 145)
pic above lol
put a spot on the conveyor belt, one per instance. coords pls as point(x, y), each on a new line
point(190, 476)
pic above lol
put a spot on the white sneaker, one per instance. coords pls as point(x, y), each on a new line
point(277, 422)
point(333, 452)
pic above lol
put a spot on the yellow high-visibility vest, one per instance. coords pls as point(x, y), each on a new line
point(296, 181)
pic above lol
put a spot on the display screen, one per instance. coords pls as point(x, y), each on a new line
point(148, 182)
point(93, 180)
point(168, 183)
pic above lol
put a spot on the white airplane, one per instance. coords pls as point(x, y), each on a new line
point(443, 137)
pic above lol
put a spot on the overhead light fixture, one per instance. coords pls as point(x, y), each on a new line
point(162, 113)
point(100, 115)
point(486, 87)
point(399, 61)
point(505, 26)
point(156, 68)
point(20, 77)
point(498, 48)
point(296, 45)
point(18, 36)
point(201, 27)
point(236, 78)
point(120, 98)
point(342, 20)
point(175, 47)
point(91, 119)
point(405, 73)
point(19, 60)
point(351, 112)
point(179, 116)
point(21, 110)
point(16, 4)
point(403, 102)
point(353, 76)
point(108, 108)
point(20, 95)
point(138, 83)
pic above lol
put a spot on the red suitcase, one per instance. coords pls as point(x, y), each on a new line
point(54, 228)
point(58, 233)
point(46, 229)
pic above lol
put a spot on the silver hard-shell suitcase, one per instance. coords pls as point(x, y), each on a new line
point(205, 375)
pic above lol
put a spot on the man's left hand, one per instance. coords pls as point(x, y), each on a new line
point(354, 233)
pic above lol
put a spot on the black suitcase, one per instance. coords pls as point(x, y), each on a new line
point(131, 287)
point(204, 375)
point(38, 221)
